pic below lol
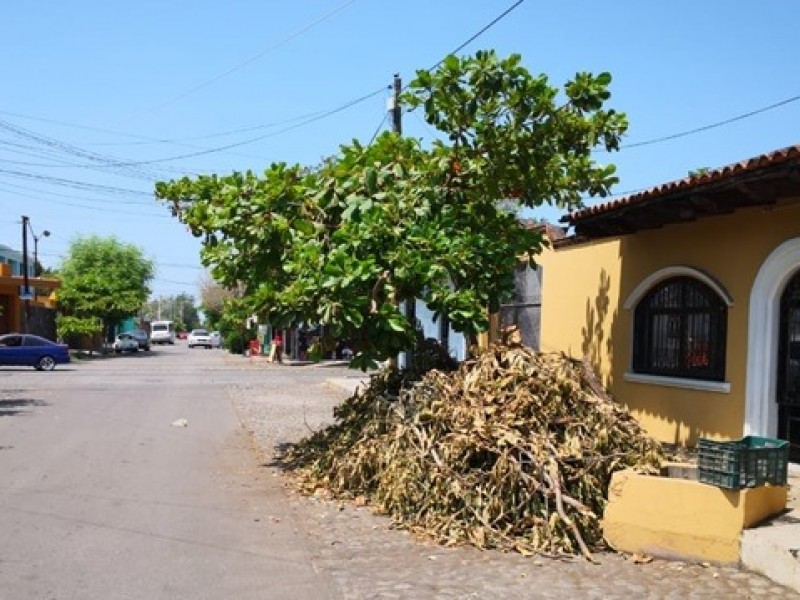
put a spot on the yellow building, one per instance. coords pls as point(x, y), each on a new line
point(17, 314)
point(686, 298)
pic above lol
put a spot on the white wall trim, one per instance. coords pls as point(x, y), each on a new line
point(723, 387)
point(761, 410)
point(675, 271)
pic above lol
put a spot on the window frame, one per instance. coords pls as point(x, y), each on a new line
point(682, 312)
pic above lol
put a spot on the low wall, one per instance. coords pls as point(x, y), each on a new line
point(684, 519)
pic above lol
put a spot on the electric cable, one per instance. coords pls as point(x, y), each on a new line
point(250, 60)
point(741, 117)
point(247, 141)
point(378, 129)
point(486, 28)
point(81, 185)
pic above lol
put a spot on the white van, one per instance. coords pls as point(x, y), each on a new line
point(162, 332)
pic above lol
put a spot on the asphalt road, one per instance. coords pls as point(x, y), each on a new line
point(104, 497)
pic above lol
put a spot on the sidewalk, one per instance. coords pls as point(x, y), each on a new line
point(774, 548)
point(348, 383)
point(367, 556)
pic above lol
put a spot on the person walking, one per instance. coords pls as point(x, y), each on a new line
point(277, 342)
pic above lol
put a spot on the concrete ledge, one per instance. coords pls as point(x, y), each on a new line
point(680, 518)
point(774, 552)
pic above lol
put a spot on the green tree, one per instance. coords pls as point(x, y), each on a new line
point(69, 327)
point(186, 309)
point(180, 308)
point(103, 280)
point(345, 243)
point(213, 299)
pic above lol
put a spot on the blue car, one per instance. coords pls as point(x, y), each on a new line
point(28, 350)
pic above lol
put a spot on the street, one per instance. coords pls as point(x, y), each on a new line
point(103, 497)
point(150, 476)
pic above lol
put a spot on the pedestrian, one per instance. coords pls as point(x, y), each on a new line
point(302, 346)
point(277, 341)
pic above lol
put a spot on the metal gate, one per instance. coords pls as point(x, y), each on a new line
point(42, 322)
point(524, 310)
point(789, 368)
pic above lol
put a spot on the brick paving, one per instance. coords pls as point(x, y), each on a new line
point(365, 557)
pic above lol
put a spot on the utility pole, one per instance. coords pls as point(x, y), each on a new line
point(26, 286)
point(397, 127)
point(397, 113)
point(36, 239)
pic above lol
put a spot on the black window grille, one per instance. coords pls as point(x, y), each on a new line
point(680, 330)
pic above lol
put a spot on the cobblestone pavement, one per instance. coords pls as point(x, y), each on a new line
point(367, 558)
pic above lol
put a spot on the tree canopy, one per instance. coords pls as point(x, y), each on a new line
point(180, 308)
point(344, 243)
point(213, 299)
point(103, 280)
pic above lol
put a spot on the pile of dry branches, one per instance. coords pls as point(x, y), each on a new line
point(515, 450)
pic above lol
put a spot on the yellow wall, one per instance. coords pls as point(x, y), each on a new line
point(586, 285)
point(678, 518)
point(12, 307)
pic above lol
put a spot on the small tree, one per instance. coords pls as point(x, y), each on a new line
point(78, 327)
point(213, 298)
point(103, 280)
point(343, 245)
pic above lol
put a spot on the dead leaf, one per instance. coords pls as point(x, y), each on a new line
point(640, 559)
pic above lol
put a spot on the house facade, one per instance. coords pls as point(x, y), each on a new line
point(35, 314)
point(686, 299)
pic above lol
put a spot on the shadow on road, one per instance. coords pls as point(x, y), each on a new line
point(11, 407)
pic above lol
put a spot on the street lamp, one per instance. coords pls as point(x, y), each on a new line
point(36, 239)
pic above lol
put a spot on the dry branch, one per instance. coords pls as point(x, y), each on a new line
point(515, 450)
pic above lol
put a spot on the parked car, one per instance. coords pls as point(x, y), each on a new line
point(141, 337)
point(125, 342)
point(216, 339)
point(198, 337)
point(26, 349)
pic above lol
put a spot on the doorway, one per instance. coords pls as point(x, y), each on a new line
point(788, 388)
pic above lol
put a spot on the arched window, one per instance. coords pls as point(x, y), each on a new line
point(679, 331)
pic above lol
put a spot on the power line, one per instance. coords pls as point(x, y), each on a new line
point(255, 139)
point(116, 163)
point(108, 162)
point(81, 185)
point(158, 279)
point(102, 209)
point(486, 28)
point(177, 142)
point(250, 60)
point(69, 149)
point(378, 129)
point(180, 266)
point(39, 192)
point(711, 125)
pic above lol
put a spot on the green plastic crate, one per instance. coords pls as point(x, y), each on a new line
point(749, 462)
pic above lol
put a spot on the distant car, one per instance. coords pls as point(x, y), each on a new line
point(141, 337)
point(25, 349)
point(125, 342)
point(182, 335)
point(162, 332)
point(198, 337)
point(216, 339)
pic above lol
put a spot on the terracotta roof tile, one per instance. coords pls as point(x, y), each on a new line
point(777, 157)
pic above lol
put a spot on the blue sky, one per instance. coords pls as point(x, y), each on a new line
point(87, 85)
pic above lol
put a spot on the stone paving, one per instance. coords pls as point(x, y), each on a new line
point(367, 558)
